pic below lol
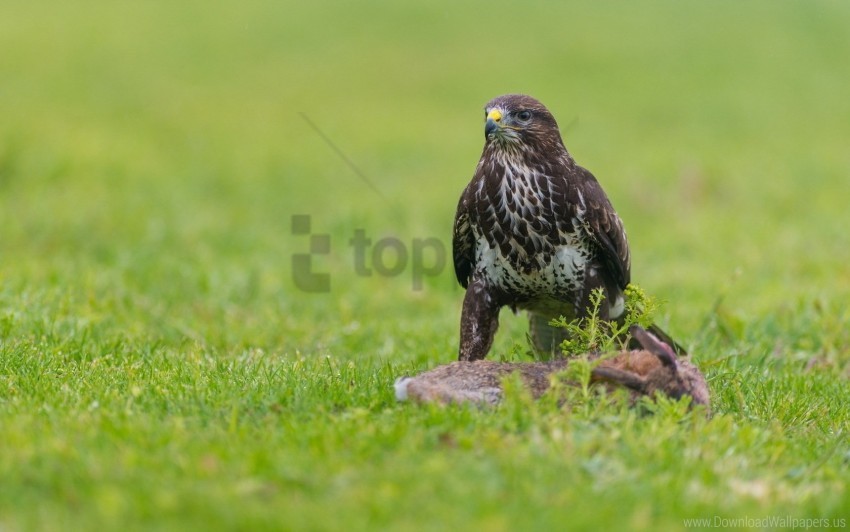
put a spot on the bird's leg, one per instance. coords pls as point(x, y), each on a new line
point(545, 338)
point(478, 322)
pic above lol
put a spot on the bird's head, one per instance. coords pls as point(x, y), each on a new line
point(514, 120)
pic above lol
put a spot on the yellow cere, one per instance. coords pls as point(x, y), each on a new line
point(495, 115)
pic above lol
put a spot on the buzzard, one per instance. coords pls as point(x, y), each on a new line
point(534, 231)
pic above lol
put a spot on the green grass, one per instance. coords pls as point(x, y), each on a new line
point(159, 369)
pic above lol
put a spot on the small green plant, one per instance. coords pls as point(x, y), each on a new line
point(596, 334)
point(518, 352)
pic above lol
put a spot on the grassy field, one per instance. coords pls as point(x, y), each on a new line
point(160, 369)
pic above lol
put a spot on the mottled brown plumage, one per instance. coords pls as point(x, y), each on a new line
point(533, 231)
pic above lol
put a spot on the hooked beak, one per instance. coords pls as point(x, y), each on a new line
point(494, 117)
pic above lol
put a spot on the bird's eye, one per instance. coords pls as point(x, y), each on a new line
point(524, 115)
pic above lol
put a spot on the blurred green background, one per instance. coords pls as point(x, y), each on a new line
point(152, 155)
point(161, 145)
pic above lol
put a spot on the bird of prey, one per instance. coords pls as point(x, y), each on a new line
point(534, 231)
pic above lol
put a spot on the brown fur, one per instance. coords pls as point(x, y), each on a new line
point(653, 369)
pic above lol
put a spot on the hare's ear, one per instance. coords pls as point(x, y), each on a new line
point(655, 346)
point(618, 376)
